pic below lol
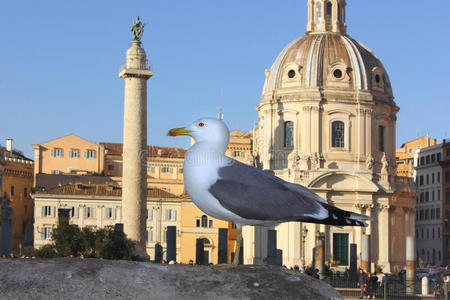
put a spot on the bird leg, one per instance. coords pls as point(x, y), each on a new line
point(237, 251)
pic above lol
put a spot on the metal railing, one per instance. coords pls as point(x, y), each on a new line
point(388, 286)
point(141, 66)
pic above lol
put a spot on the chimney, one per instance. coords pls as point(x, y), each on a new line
point(9, 144)
point(159, 152)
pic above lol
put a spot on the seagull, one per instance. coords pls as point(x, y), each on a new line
point(229, 190)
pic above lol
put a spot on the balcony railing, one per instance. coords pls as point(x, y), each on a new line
point(133, 65)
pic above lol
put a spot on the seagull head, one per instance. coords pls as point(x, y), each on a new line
point(210, 130)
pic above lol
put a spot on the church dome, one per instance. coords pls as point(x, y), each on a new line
point(328, 58)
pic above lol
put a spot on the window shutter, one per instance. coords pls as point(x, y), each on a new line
point(85, 153)
point(53, 210)
point(150, 214)
point(42, 212)
point(174, 215)
point(76, 212)
point(53, 152)
point(167, 215)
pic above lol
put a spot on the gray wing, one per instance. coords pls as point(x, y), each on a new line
point(255, 194)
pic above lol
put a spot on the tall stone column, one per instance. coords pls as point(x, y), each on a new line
point(134, 191)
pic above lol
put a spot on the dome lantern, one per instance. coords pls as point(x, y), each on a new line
point(326, 16)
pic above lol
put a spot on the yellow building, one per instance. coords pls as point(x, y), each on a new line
point(17, 184)
point(100, 205)
point(69, 154)
point(404, 155)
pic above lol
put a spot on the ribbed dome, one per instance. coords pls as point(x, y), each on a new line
point(327, 60)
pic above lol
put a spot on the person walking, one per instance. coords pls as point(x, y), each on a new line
point(373, 285)
point(362, 282)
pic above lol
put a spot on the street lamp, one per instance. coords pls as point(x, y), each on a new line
point(304, 234)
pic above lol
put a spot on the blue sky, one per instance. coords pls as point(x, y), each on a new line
point(60, 61)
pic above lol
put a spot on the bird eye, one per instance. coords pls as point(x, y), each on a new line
point(201, 124)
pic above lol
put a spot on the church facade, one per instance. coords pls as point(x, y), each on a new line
point(327, 120)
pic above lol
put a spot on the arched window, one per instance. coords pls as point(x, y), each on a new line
point(329, 12)
point(204, 221)
point(339, 13)
point(337, 134)
point(288, 134)
point(319, 12)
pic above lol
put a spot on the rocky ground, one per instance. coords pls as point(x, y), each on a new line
point(73, 278)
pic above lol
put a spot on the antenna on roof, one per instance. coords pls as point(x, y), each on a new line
point(220, 114)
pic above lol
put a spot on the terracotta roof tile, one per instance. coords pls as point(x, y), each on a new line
point(81, 189)
point(153, 151)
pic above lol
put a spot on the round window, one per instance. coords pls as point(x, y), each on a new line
point(377, 78)
point(291, 74)
point(337, 73)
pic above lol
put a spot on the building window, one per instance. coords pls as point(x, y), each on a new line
point(381, 138)
point(180, 170)
point(432, 177)
point(48, 211)
point(150, 169)
point(438, 213)
point(421, 180)
point(150, 235)
point(149, 214)
point(428, 178)
point(447, 197)
point(74, 212)
point(289, 134)
point(438, 179)
point(427, 159)
point(438, 156)
point(422, 161)
point(89, 212)
point(447, 176)
point(47, 233)
point(329, 11)
point(74, 153)
point(438, 195)
point(410, 150)
point(57, 152)
point(197, 223)
point(56, 172)
point(110, 167)
point(427, 213)
point(166, 170)
point(110, 213)
point(338, 134)
point(439, 236)
point(319, 12)
point(422, 197)
point(25, 192)
point(432, 195)
point(340, 248)
point(211, 224)
point(90, 154)
point(12, 190)
point(432, 215)
point(433, 158)
point(237, 154)
point(427, 196)
point(204, 221)
point(421, 214)
point(171, 214)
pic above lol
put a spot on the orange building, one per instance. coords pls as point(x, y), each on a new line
point(404, 155)
point(17, 184)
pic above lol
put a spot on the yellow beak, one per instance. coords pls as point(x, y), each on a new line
point(178, 131)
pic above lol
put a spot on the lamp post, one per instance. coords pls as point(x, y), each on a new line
point(304, 234)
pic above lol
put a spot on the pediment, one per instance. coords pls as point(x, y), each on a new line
point(343, 181)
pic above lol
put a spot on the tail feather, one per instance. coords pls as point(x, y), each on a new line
point(340, 217)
